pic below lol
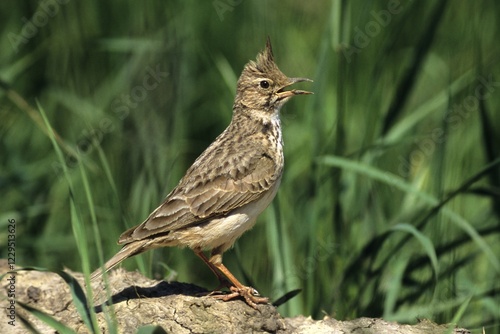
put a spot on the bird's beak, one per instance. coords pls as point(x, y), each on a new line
point(282, 94)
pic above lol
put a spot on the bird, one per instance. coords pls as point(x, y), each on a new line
point(229, 184)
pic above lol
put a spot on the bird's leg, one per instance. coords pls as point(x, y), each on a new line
point(223, 282)
point(251, 295)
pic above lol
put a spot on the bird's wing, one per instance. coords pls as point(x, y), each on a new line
point(212, 187)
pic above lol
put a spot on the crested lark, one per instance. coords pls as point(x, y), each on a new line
point(229, 184)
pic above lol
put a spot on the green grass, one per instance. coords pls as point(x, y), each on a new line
point(389, 205)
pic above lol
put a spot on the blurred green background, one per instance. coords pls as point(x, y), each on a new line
point(390, 202)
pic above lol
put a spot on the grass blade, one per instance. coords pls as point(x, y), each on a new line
point(406, 85)
point(424, 241)
point(399, 183)
point(57, 325)
point(78, 296)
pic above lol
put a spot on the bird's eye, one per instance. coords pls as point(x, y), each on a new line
point(264, 84)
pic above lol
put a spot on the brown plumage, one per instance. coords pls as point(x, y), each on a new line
point(229, 184)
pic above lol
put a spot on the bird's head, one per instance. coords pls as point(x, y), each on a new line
point(261, 85)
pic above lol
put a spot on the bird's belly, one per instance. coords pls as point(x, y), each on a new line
point(222, 232)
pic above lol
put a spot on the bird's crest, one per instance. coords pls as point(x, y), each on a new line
point(265, 63)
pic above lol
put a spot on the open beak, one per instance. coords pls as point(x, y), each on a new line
point(282, 94)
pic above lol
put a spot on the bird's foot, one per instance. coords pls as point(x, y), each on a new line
point(251, 296)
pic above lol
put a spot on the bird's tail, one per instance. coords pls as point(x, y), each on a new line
point(127, 251)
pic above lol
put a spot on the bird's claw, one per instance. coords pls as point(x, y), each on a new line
point(251, 296)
